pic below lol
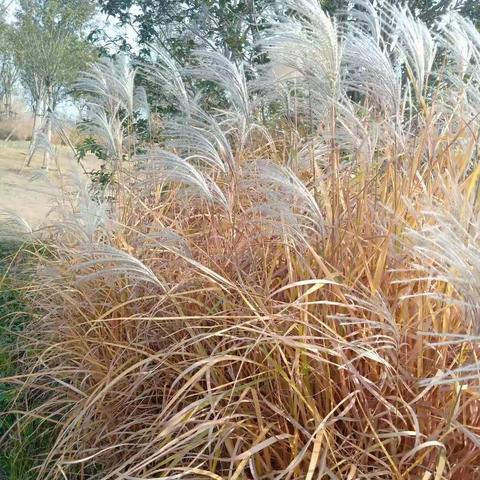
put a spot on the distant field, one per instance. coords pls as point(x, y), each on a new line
point(31, 191)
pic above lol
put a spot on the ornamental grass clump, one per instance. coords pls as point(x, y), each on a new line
point(288, 287)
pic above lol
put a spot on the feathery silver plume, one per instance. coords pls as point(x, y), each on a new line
point(163, 166)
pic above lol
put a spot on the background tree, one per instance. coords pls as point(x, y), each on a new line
point(429, 10)
point(8, 70)
point(8, 79)
point(231, 27)
point(226, 25)
point(50, 46)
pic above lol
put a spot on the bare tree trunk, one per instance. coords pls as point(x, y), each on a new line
point(8, 104)
point(48, 128)
point(48, 132)
point(8, 75)
point(31, 147)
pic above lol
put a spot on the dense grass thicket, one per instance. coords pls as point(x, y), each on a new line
point(287, 286)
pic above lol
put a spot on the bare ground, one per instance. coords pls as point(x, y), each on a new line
point(30, 191)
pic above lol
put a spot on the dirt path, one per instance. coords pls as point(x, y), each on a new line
point(30, 191)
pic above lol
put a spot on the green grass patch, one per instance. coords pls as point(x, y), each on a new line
point(21, 443)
